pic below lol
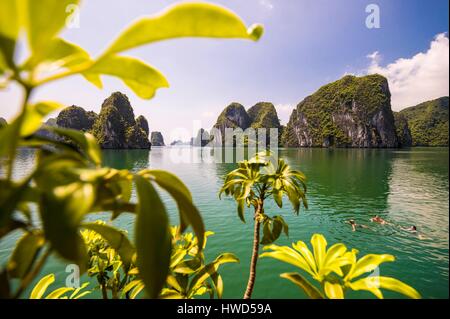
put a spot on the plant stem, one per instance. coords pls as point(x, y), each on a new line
point(104, 292)
point(16, 136)
point(255, 252)
point(32, 274)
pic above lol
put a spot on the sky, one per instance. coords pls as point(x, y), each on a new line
point(306, 44)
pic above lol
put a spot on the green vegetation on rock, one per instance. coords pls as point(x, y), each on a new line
point(351, 112)
point(76, 118)
point(142, 122)
point(428, 122)
point(234, 116)
point(116, 127)
point(403, 131)
point(261, 115)
point(264, 115)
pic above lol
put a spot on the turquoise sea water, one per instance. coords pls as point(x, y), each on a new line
point(406, 187)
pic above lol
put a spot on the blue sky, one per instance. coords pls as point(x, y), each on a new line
point(307, 43)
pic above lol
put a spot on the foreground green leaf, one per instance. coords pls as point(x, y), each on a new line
point(176, 188)
point(153, 240)
point(62, 211)
point(85, 141)
point(44, 20)
point(185, 20)
point(24, 254)
point(9, 30)
point(141, 78)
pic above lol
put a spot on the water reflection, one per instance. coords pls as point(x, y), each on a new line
point(126, 159)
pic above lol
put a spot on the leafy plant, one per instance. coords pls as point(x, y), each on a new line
point(68, 182)
point(61, 293)
point(336, 269)
point(189, 275)
point(107, 258)
point(251, 184)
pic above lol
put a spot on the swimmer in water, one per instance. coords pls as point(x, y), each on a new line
point(355, 225)
point(413, 230)
point(379, 220)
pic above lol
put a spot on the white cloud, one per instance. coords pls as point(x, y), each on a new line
point(422, 77)
point(266, 4)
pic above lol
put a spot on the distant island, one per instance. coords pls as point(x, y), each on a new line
point(114, 128)
point(351, 112)
point(157, 139)
point(428, 122)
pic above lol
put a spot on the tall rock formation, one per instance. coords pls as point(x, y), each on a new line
point(351, 112)
point(157, 139)
point(143, 124)
point(234, 116)
point(116, 127)
point(264, 115)
point(261, 115)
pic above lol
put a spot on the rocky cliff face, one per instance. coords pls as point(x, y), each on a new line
point(428, 122)
point(351, 112)
point(403, 132)
point(116, 127)
point(142, 122)
point(157, 139)
point(75, 117)
point(234, 116)
point(264, 115)
point(261, 115)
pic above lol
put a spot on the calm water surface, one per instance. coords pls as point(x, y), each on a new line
point(405, 187)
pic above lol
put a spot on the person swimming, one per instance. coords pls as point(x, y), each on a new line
point(379, 220)
point(355, 225)
point(413, 229)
